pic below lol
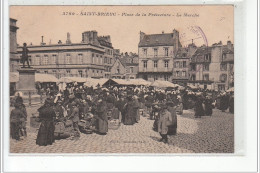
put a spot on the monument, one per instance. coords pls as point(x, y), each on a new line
point(26, 83)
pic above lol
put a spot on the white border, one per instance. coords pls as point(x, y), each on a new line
point(245, 104)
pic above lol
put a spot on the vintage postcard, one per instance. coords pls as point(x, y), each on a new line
point(121, 79)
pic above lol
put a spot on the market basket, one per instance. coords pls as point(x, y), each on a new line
point(114, 124)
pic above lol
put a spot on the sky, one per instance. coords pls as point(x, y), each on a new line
point(203, 24)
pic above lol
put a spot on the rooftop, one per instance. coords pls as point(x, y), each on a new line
point(157, 40)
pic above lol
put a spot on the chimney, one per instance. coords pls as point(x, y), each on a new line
point(229, 45)
point(68, 41)
point(175, 36)
point(142, 34)
point(42, 43)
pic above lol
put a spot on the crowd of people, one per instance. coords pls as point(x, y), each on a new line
point(87, 108)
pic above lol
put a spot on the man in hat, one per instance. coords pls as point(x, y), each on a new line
point(25, 56)
point(75, 119)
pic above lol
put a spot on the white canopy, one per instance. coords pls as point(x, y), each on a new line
point(163, 84)
point(94, 82)
point(45, 78)
point(139, 82)
point(72, 79)
point(14, 77)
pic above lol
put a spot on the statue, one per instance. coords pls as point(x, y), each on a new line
point(25, 56)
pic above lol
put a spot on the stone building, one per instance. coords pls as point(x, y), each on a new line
point(93, 57)
point(125, 67)
point(212, 67)
point(156, 53)
point(14, 57)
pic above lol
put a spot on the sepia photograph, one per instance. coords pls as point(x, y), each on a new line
point(121, 79)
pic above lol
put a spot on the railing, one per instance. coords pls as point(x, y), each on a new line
point(156, 70)
point(180, 77)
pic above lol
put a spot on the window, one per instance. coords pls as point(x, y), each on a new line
point(177, 73)
point(110, 62)
point(166, 77)
point(68, 59)
point(37, 60)
point(224, 57)
point(145, 64)
point(184, 64)
point(131, 69)
point(180, 64)
point(193, 77)
point(54, 58)
point(193, 67)
point(145, 52)
point(101, 60)
point(93, 58)
point(206, 77)
point(68, 71)
point(183, 73)
point(223, 67)
point(105, 60)
point(155, 52)
point(155, 64)
point(80, 56)
point(166, 63)
point(166, 51)
point(45, 59)
point(207, 57)
point(155, 77)
point(223, 77)
point(46, 72)
point(80, 73)
point(54, 71)
point(206, 67)
point(118, 71)
point(177, 64)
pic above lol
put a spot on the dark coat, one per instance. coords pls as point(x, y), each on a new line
point(102, 117)
point(199, 111)
point(46, 132)
point(16, 119)
point(130, 113)
point(208, 106)
point(173, 127)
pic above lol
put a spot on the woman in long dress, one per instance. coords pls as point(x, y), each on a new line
point(46, 132)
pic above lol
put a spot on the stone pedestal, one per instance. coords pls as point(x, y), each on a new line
point(26, 85)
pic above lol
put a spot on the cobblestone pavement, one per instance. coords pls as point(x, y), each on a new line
point(213, 134)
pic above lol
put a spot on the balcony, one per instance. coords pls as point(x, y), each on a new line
point(180, 77)
point(155, 57)
point(154, 70)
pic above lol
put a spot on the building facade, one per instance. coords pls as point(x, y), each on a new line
point(125, 67)
point(181, 67)
point(156, 53)
point(14, 57)
point(212, 67)
point(90, 58)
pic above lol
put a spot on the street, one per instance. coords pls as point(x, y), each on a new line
point(213, 134)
